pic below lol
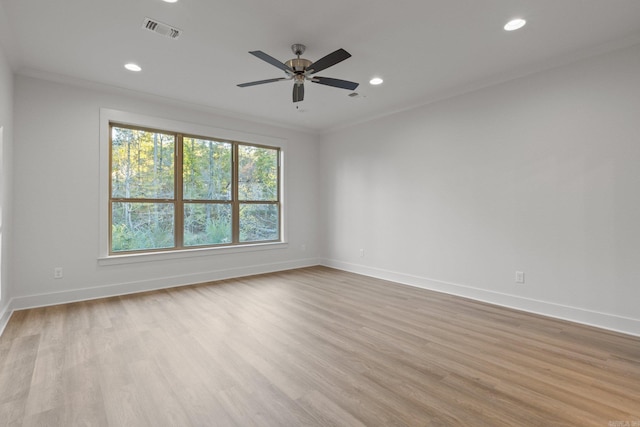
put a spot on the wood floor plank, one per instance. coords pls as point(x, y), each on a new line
point(310, 347)
point(17, 368)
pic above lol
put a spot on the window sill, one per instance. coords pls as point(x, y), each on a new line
point(188, 253)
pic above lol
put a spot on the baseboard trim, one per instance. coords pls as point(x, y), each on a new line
point(5, 314)
point(125, 288)
point(573, 314)
point(606, 321)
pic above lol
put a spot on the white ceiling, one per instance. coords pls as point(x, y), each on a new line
point(424, 49)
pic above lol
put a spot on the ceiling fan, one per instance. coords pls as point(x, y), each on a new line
point(300, 69)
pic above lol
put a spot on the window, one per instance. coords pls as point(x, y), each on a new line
point(171, 191)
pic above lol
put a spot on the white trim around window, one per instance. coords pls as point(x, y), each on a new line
point(133, 119)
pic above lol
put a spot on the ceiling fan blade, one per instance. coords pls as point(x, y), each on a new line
point(260, 82)
point(271, 60)
point(328, 61)
point(298, 92)
point(344, 84)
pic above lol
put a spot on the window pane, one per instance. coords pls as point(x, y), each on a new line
point(207, 224)
point(259, 222)
point(136, 226)
point(141, 164)
point(206, 169)
point(257, 173)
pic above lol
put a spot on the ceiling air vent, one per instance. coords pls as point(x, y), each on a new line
point(161, 28)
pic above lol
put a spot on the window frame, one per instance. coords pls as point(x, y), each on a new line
point(109, 118)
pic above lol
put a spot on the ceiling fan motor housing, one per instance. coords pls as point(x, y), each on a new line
point(299, 65)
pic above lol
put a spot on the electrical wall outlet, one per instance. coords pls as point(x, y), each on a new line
point(361, 252)
point(57, 273)
point(519, 276)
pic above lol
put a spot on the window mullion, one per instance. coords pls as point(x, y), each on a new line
point(179, 203)
point(235, 210)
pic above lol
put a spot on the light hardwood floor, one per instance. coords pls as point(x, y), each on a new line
point(310, 347)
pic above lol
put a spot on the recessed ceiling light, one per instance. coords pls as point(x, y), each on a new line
point(515, 24)
point(132, 67)
point(376, 81)
point(170, 1)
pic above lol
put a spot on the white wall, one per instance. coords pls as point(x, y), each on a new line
point(540, 174)
point(6, 141)
point(56, 182)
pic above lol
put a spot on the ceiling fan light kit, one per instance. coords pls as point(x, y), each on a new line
point(300, 69)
